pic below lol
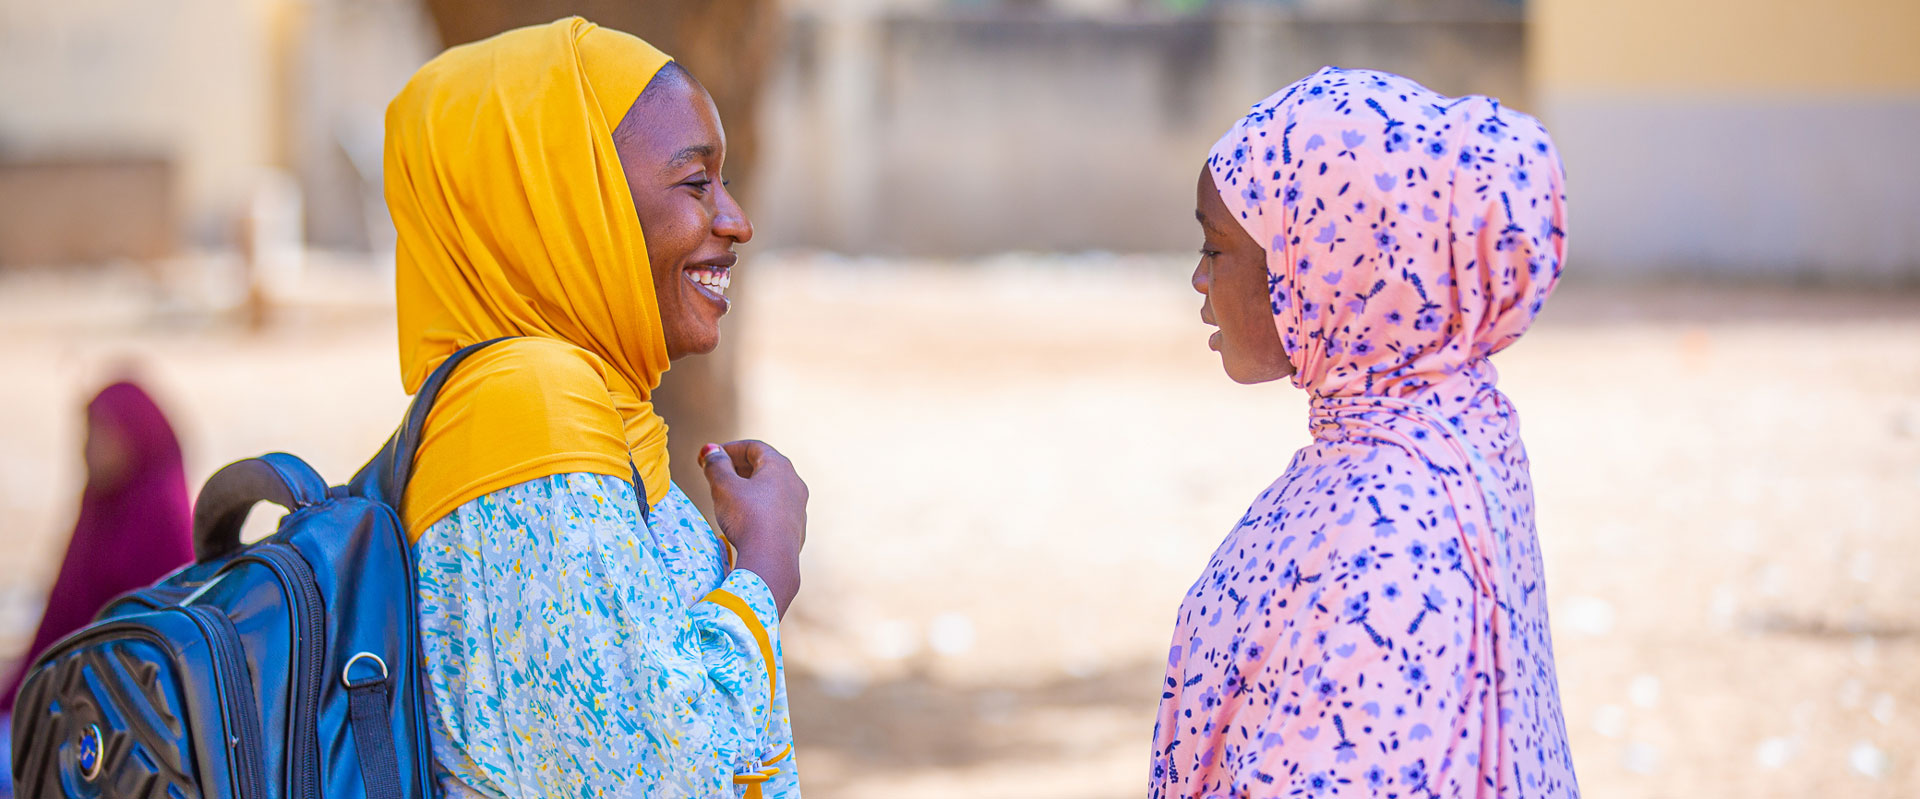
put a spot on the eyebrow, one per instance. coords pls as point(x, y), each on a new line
point(687, 154)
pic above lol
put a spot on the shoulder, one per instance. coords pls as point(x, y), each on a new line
point(530, 379)
point(1354, 470)
point(524, 363)
point(515, 411)
point(1341, 492)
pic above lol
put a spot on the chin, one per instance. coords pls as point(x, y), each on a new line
point(697, 345)
point(1248, 374)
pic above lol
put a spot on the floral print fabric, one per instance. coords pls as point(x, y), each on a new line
point(1376, 623)
point(577, 649)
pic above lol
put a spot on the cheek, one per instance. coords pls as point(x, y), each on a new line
point(667, 253)
point(665, 285)
point(673, 226)
point(1242, 287)
point(666, 248)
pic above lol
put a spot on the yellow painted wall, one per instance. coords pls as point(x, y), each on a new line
point(1732, 46)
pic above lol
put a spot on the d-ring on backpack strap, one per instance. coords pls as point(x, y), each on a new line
point(372, 725)
point(384, 479)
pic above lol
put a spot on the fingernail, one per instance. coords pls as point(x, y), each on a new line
point(707, 452)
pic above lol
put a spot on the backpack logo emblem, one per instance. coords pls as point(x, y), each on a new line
point(87, 755)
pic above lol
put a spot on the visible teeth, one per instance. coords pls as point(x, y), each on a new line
point(714, 281)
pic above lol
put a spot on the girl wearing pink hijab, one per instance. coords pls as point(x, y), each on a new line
point(1376, 624)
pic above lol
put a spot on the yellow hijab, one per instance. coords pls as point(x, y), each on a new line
point(515, 219)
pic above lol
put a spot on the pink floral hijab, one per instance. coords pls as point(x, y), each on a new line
point(1376, 623)
point(1407, 234)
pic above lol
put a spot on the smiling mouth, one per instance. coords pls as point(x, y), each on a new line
point(711, 280)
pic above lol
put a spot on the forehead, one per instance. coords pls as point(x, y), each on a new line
point(670, 125)
point(1209, 208)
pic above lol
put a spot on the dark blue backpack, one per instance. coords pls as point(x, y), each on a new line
point(283, 669)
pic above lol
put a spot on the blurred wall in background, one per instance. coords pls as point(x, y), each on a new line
point(188, 82)
point(1768, 139)
point(1739, 138)
point(239, 100)
point(966, 129)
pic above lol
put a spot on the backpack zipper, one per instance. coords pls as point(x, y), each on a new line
point(232, 676)
point(295, 573)
point(142, 598)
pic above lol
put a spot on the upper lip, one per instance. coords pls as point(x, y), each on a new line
point(725, 261)
point(1206, 316)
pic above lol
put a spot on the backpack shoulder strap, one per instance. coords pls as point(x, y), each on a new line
point(384, 479)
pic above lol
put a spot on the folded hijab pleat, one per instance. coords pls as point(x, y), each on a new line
point(1377, 621)
point(515, 219)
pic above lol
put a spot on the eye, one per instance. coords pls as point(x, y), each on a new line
point(700, 184)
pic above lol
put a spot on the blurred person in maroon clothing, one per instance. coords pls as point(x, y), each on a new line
point(135, 525)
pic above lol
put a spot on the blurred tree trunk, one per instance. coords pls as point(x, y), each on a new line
point(729, 46)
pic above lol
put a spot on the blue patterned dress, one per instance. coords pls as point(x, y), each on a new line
point(577, 649)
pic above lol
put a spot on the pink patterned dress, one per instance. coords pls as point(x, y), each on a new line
point(1376, 624)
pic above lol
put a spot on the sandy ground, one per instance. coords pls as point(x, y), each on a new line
point(1019, 464)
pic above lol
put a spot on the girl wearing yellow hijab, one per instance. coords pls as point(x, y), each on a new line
point(585, 632)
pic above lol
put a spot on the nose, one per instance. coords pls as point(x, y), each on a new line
point(730, 220)
point(1202, 277)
